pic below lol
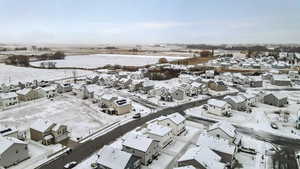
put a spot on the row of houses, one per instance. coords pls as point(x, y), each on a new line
point(244, 102)
point(142, 149)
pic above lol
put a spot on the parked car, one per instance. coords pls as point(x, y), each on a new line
point(274, 125)
point(137, 115)
point(70, 165)
point(95, 165)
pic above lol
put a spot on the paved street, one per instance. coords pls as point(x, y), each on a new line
point(86, 149)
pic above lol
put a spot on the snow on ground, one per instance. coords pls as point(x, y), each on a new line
point(15, 74)
point(98, 60)
point(80, 118)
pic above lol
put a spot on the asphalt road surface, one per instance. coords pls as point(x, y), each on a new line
point(86, 149)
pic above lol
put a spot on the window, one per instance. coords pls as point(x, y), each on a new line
point(218, 135)
point(17, 151)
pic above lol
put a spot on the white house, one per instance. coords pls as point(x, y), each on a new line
point(201, 157)
point(12, 151)
point(175, 121)
point(8, 99)
point(141, 146)
point(122, 106)
point(224, 130)
point(160, 133)
point(110, 157)
point(49, 91)
point(218, 107)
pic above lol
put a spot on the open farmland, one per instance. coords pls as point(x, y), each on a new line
point(15, 74)
point(99, 60)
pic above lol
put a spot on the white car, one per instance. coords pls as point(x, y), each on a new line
point(70, 165)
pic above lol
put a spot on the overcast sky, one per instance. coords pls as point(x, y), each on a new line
point(150, 21)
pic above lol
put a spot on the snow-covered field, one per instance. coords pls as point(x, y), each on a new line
point(15, 74)
point(98, 60)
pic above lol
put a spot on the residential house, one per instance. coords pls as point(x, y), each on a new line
point(92, 79)
point(160, 133)
point(280, 80)
point(165, 95)
point(141, 146)
point(217, 85)
point(224, 130)
point(48, 132)
point(210, 74)
point(12, 151)
point(27, 94)
point(124, 83)
point(64, 87)
point(135, 85)
point(48, 92)
point(276, 99)
point(256, 81)
point(294, 75)
point(147, 86)
point(220, 146)
point(175, 121)
point(250, 98)
point(218, 107)
point(201, 157)
point(112, 158)
point(177, 93)
point(8, 99)
point(237, 102)
point(107, 100)
point(122, 106)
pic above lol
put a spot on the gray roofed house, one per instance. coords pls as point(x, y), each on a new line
point(12, 151)
point(224, 130)
point(281, 80)
point(276, 99)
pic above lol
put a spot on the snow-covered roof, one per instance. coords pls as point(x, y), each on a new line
point(236, 99)
point(7, 142)
point(217, 144)
point(24, 91)
point(113, 158)
point(225, 126)
point(176, 118)
point(256, 78)
point(108, 96)
point(217, 103)
point(196, 84)
point(185, 167)
point(281, 78)
point(247, 95)
point(138, 142)
point(49, 88)
point(41, 125)
point(157, 129)
point(205, 156)
point(279, 95)
point(8, 95)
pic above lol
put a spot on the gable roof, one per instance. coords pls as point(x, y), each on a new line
point(224, 126)
point(157, 129)
point(113, 158)
point(217, 103)
point(7, 142)
point(24, 91)
point(138, 142)
point(203, 155)
point(236, 99)
point(8, 95)
point(176, 118)
point(42, 126)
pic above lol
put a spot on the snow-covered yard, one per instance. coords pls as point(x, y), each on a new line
point(15, 74)
point(98, 60)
